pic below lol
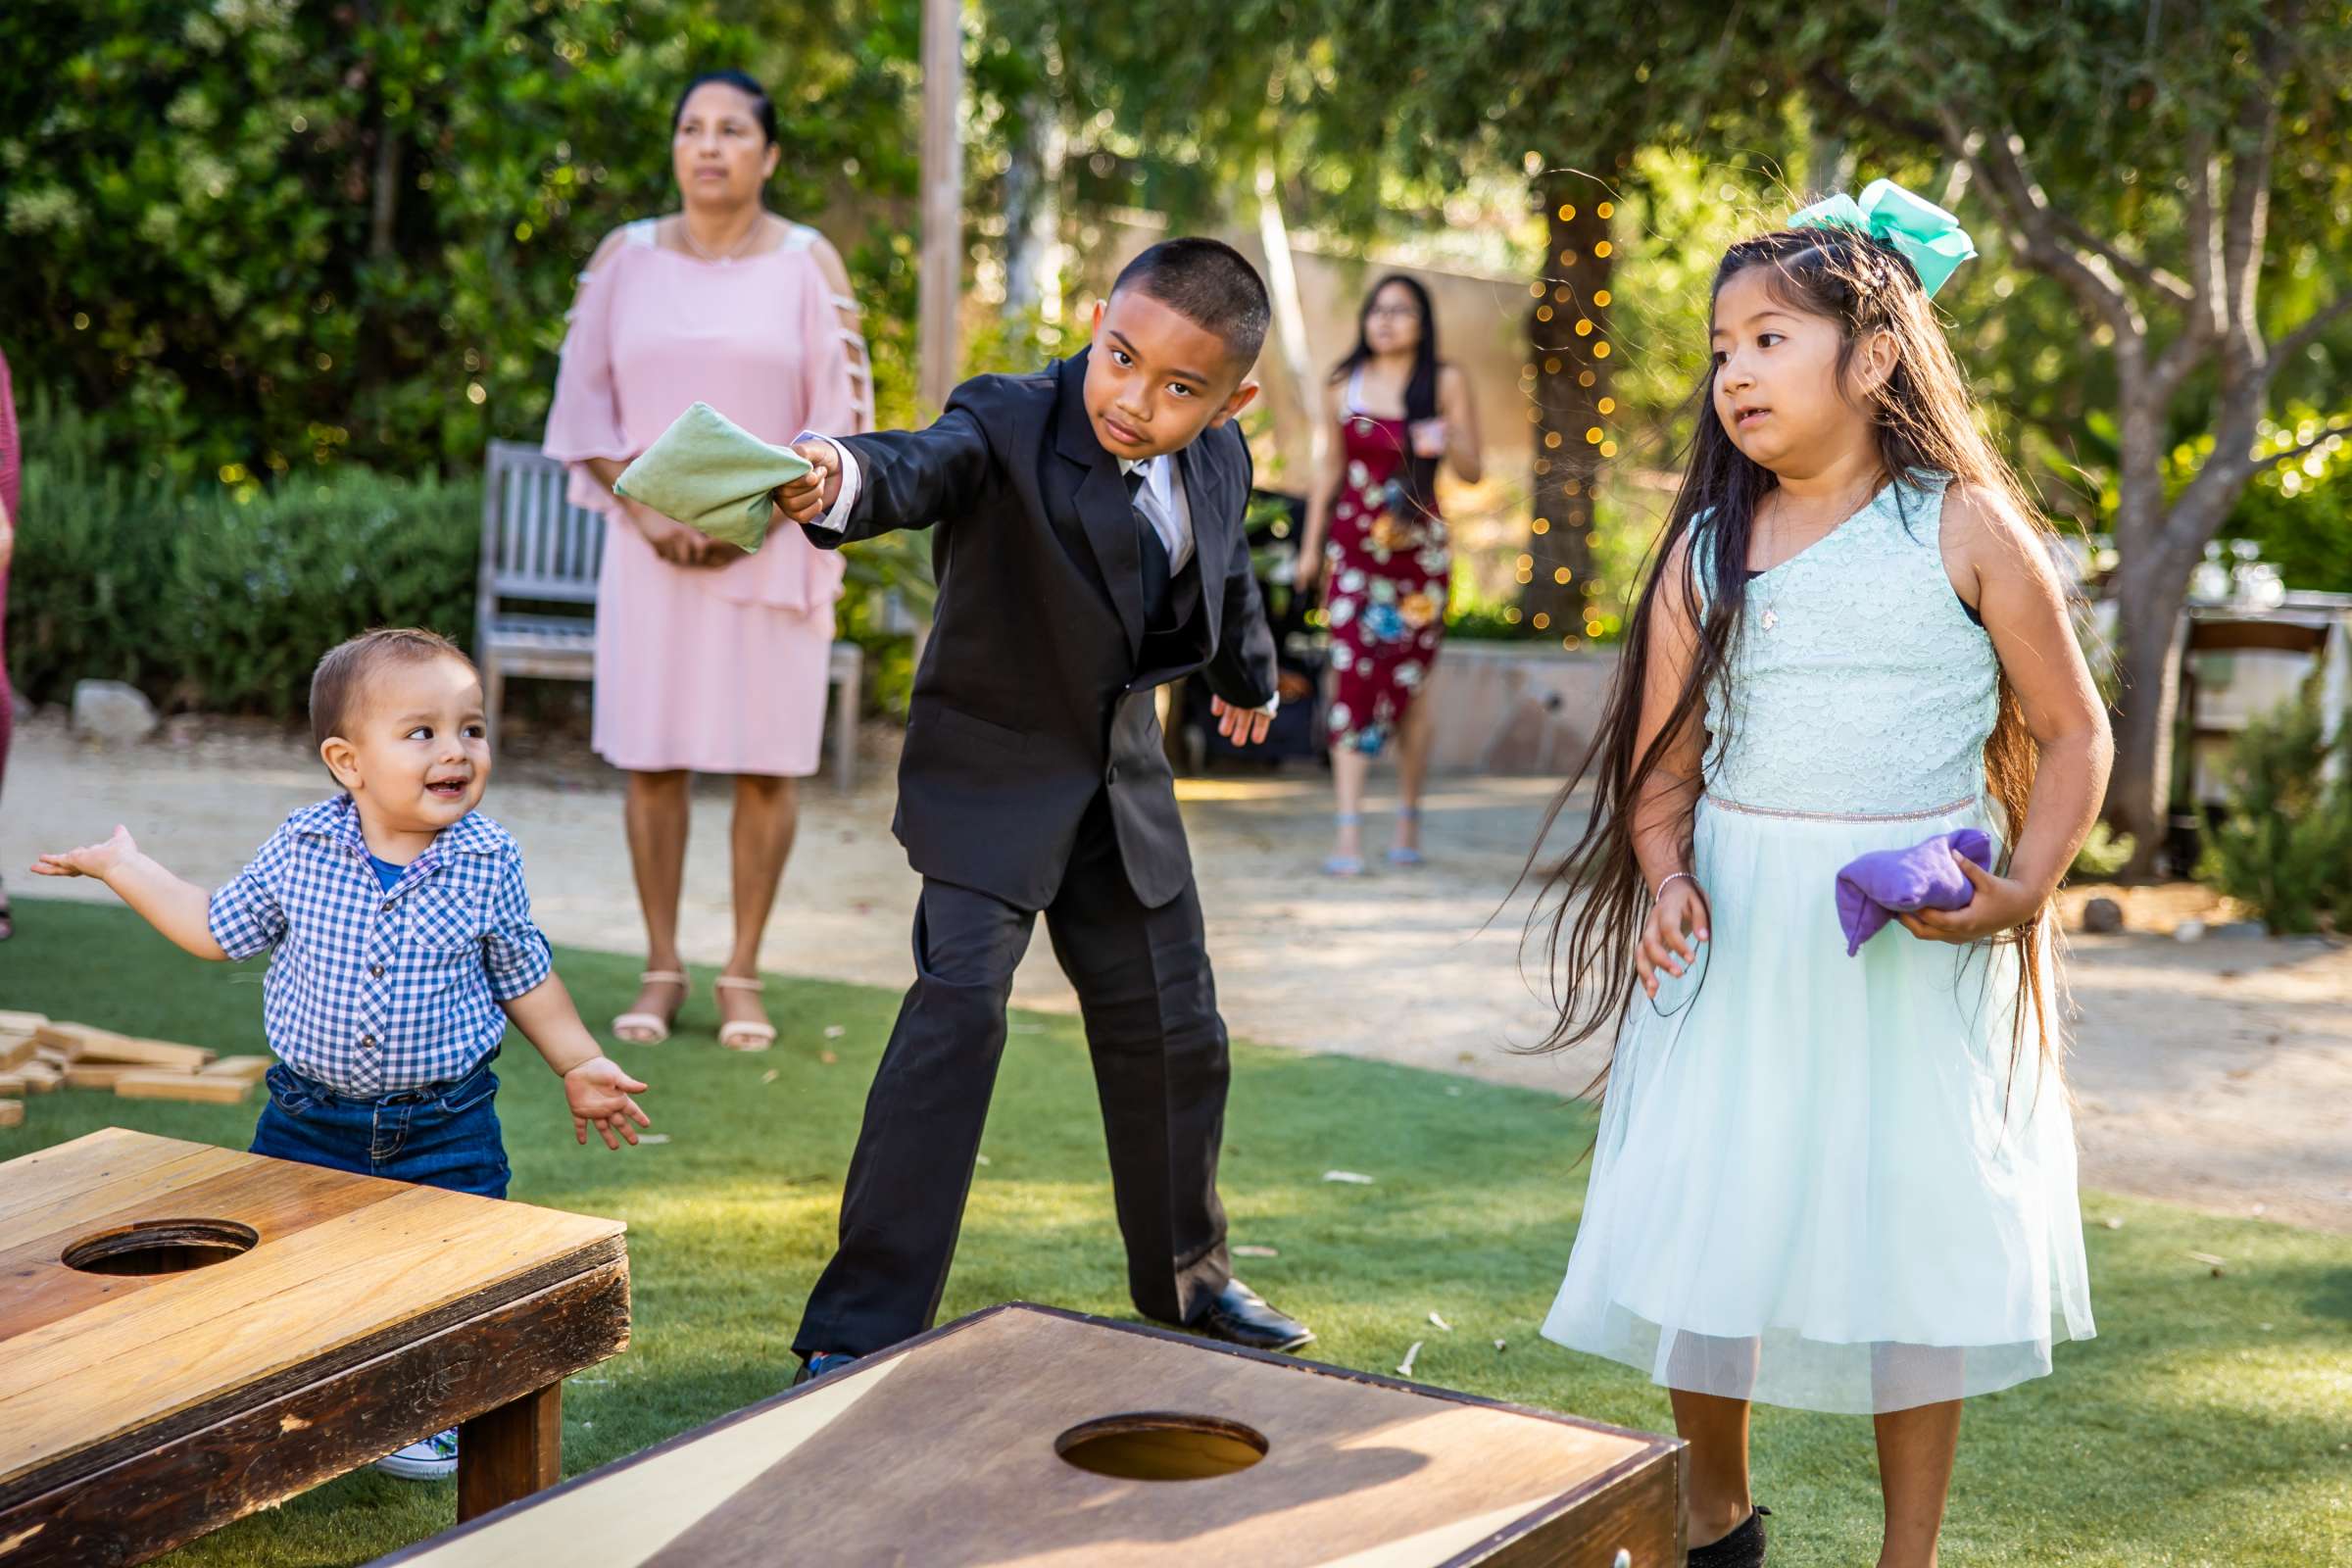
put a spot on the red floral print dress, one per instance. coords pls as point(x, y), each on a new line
point(1386, 569)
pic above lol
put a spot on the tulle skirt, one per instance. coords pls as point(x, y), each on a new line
point(1824, 1182)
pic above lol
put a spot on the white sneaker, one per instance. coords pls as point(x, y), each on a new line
point(434, 1459)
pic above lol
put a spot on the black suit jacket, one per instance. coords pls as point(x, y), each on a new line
point(1035, 691)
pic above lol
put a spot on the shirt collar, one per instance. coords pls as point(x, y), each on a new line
point(338, 822)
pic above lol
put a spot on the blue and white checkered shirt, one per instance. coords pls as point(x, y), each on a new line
point(373, 990)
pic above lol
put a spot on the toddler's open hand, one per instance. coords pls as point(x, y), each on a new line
point(92, 859)
point(599, 1094)
point(1670, 937)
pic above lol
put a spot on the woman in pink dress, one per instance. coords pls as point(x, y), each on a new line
point(708, 660)
point(1374, 537)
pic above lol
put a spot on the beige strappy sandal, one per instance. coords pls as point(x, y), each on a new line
point(742, 1034)
point(651, 1028)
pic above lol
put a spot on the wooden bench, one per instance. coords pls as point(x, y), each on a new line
point(537, 547)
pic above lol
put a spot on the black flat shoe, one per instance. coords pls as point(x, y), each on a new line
point(1240, 1315)
point(819, 1364)
point(1743, 1548)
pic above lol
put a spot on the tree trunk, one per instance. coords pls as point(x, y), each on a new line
point(2152, 588)
point(385, 193)
point(939, 283)
point(1290, 317)
point(1570, 371)
point(2160, 543)
point(1033, 213)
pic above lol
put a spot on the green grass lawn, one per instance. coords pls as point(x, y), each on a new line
point(2211, 1422)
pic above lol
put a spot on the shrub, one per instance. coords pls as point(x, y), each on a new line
point(258, 589)
point(226, 601)
point(2284, 844)
point(2104, 852)
point(223, 601)
point(94, 543)
point(888, 585)
point(278, 236)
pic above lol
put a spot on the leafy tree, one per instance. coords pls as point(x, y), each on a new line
point(285, 232)
point(2300, 513)
point(2130, 154)
point(1566, 96)
point(2178, 173)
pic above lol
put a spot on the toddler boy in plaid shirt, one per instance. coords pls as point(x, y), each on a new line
point(401, 942)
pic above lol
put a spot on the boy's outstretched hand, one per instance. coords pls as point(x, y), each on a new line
point(1243, 726)
point(599, 1094)
point(813, 493)
point(99, 860)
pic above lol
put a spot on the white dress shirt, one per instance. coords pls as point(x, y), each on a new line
point(1160, 498)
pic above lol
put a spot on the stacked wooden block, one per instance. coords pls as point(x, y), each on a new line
point(38, 1054)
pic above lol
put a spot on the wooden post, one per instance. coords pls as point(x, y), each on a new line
point(511, 1452)
point(940, 282)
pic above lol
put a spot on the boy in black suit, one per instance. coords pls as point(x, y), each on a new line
point(1087, 537)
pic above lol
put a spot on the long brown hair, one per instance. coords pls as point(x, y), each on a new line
point(1594, 900)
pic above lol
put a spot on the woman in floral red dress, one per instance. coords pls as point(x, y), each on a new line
point(1374, 535)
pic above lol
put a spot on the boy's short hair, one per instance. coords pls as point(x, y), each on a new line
point(1209, 283)
point(342, 674)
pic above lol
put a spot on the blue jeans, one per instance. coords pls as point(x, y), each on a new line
point(443, 1134)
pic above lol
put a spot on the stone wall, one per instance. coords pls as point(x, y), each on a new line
point(1508, 709)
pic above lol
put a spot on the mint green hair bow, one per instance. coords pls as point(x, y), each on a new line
point(1927, 236)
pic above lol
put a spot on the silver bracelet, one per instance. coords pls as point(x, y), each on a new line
point(1670, 877)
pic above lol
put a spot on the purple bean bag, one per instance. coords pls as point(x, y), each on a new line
point(1872, 888)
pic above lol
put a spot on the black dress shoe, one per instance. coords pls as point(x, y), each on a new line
point(1743, 1548)
point(1238, 1314)
point(817, 1365)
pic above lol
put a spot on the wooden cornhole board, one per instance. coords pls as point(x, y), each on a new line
point(138, 1411)
point(946, 1452)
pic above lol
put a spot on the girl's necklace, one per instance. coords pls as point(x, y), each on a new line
point(1771, 618)
point(686, 234)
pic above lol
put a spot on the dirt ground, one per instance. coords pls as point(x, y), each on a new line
point(2215, 1074)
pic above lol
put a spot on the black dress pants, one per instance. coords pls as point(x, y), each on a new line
point(1160, 1072)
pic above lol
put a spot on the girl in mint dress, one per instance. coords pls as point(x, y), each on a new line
point(1833, 1183)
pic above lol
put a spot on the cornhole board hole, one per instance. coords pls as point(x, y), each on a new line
point(1024, 1435)
point(188, 1334)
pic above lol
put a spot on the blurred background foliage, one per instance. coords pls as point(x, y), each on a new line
point(274, 245)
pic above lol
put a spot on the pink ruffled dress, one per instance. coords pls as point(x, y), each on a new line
point(718, 669)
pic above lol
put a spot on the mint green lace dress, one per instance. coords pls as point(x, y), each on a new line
point(1821, 1180)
